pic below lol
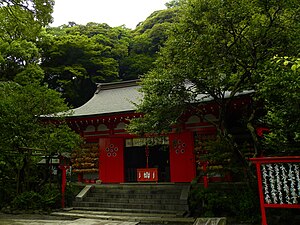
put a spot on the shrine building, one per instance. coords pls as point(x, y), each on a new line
point(112, 155)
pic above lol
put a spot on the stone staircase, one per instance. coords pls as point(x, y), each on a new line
point(125, 218)
point(135, 198)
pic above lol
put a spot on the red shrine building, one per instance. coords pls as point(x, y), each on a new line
point(112, 155)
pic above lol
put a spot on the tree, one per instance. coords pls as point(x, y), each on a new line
point(279, 90)
point(76, 57)
point(16, 56)
point(173, 3)
point(24, 136)
point(24, 19)
point(100, 53)
point(36, 10)
point(217, 47)
point(23, 133)
point(20, 25)
point(147, 39)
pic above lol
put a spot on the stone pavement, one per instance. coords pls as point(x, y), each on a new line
point(85, 217)
point(82, 221)
point(148, 218)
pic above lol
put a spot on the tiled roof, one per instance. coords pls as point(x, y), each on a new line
point(119, 97)
point(111, 98)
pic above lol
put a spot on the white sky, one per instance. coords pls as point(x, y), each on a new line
point(113, 12)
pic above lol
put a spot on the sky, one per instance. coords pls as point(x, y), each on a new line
point(113, 12)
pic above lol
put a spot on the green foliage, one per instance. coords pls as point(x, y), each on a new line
point(7, 187)
point(164, 101)
point(219, 44)
point(147, 39)
point(173, 3)
point(20, 108)
point(27, 200)
point(156, 18)
point(32, 73)
point(238, 203)
point(222, 158)
point(218, 49)
point(23, 100)
point(17, 55)
point(23, 19)
point(20, 25)
point(134, 65)
point(76, 57)
point(24, 132)
point(71, 191)
point(48, 198)
point(279, 91)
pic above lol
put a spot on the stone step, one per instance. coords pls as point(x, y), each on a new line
point(126, 216)
point(137, 191)
point(139, 186)
point(134, 199)
point(135, 211)
point(133, 196)
point(210, 221)
point(131, 206)
point(171, 214)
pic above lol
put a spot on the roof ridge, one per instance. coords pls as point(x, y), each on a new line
point(115, 85)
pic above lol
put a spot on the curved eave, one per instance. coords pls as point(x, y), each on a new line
point(110, 99)
point(102, 115)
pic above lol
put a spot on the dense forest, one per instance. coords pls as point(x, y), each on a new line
point(75, 57)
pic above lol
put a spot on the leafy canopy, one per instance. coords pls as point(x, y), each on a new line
point(280, 93)
point(75, 57)
point(20, 24)
point(25, 137)
point(217, 47)
point(20, 122)
point(147, 39)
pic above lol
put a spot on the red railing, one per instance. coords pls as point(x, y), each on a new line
point(278, 182)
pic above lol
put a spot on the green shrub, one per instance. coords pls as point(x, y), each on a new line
point(48, 198)
point(240, 203)
point(27, 200)
point(51, 196)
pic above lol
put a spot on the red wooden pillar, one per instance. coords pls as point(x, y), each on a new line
point(182, 157)
point(80, 177)
point(64, 169)
point(205, 177)
point(261, 196)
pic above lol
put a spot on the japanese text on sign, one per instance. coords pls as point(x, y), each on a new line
point(147, 174)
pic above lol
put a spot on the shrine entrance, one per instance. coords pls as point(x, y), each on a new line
point(135, 157)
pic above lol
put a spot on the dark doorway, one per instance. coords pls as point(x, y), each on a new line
point(135, 157)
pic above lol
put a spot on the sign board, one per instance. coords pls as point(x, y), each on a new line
point(278, 182)
point(147, 174)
